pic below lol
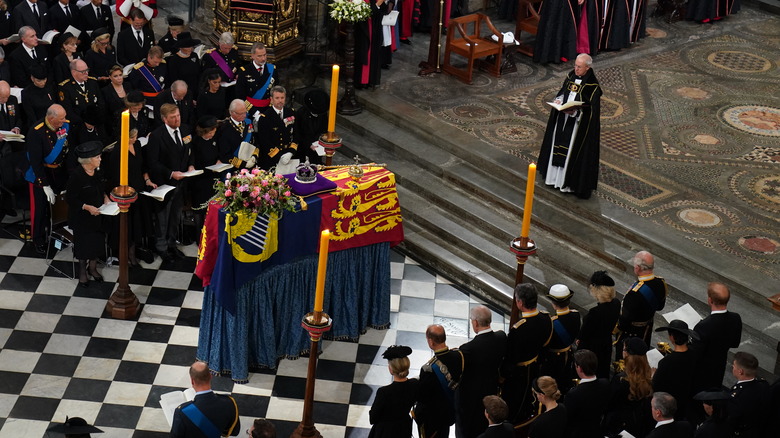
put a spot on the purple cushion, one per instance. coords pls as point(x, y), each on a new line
point(321, 185)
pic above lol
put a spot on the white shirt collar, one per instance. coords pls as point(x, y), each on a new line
point(258, 66)
point(170, 131)
point(31, 6)
point(718, 311)
point(587, 379)
point(662, 422)
point(487, 330)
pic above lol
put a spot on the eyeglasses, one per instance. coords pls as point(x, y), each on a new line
point(103, 43)
point(82, 71)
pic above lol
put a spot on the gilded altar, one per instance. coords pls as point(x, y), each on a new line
point(271, 22)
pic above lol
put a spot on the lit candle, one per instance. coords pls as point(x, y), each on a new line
point(529, 200)
point(334, 94)
point(124, 144)
point(319, 296)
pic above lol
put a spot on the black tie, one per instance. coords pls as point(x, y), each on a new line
point(32, 53)
point(4, 116)
point(81, 85)
point(176, 137)
point(97, 12)
point(35, 11)
point(67, 12)
point(140, 40)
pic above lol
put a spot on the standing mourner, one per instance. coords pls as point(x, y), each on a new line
point(569, 159)
point(439, 378)
point(389, 414)
point(598, 323)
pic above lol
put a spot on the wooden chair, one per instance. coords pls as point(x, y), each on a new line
point(528, 22)
point(472, 46)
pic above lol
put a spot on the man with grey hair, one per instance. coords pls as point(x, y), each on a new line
point(25, 56)
point(178, 94)
point(232, 132)
point(79, 91)
point(256, 79)
point(482, 359)
point(646, 296)
point(224, 58)
point(569, 158)
point(10, 116)
point(663, 407)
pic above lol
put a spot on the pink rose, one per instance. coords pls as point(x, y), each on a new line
point(287, 193)
point(255, 171)
point(265, 183)
point(228, 192)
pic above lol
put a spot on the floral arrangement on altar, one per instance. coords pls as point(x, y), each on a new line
point(351, 11)
point(255, 192)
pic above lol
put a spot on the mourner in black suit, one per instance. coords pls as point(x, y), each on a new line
point(676, 368)
point(175, 27)
point(311, 122)
point(168, 156)
point(664, 406)
point(646, 296)
point(717, 332)
point(525, 341)
point(389, 414)
point(139, 114)
point(599, 322)
point(482, 361)
point(63, 14)
point(134, 42)
point(556, 358)
point(231, 132)
point(79, 91)
point(184, 64)
point(219, 411)
point(275, 130)
point(22, 59)
point(497, 411)
point(180, 96)
point(10, 120)
point(32, 13)
point(435, 409)
point(94, 16)
point(586, 402)
point(256, 79)
point(224, 57)
point(748, 414)
point(38, 96)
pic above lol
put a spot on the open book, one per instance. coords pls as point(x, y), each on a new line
point(10, 136)
point(195, 172)
point(73, 31)
point(48, 37)
point(246, 150)
point(219, 167)
point(109, 209)
point(160, 192)
point(171, 400)
point(684, 313)
point(574, 104)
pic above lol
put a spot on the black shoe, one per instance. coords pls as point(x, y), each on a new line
point(84, 284)
point(406, 41)
point(97, 277)
point(144, 255)
point(166, 255)
point(41, 249)
point(385, 66)
point(176, 253)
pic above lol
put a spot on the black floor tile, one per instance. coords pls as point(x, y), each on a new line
point(335, 370)
point(417, 273)
point(186, 264)
point(181, 355)
point(152, 332)
point(331, 413)
point(11, 382)
point(99, 291)
point(367, 353)
point(118, 416)
point(9, 318)
point(362, 394)
point(66, 268)
point(47, 303)
point(222, 383)
point(76, 325)
point(290, 387)
point(252, 405)
point(6, 262)
point(34, 408)
point(283, 428)
point(106, 348)
point(88, 390)
point(356, 432)
point(166, 297)
point(150, 434)
point(397, 257)
point(136, 372)
point(189, 318)
point(57, 364)
point(27, 341)
point(142, 276)
point(196, 284)
point(20, 282)
point(153, 399)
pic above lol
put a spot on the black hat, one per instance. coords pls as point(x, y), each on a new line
point(186, 40)
point(99, 32)
point(135, 96)
point(174, 21)
point(316, 101)
point(601, 278)
point(73, 426)
point(679, 326)
point(89, 149)
point(63, 37)
point(38, 71)
point(559, 293)
point(396, 352)
point(92, 115)
point(636, 346)
point(712, 396)
point(207, 122)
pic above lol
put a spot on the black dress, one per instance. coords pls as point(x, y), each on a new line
point(60, 66)
point(212, 104)
point(99, 63)
point(205, 153)
point(184, 69)
point(88, 236)
point(390, 412)
point(674, 375)
point(596, 334)
point(36, 102)
point(550, 424)
point(140, 223)
point(114, 107)
point(633, 416)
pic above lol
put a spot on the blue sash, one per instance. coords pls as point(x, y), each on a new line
point(649, 296)
point(261, 91)
point(247, 137)
point(200, 421)
point(445, 386)
point(560, 330)
point(29, 176)
point(150, 78)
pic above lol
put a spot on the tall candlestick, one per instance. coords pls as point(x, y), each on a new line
point(319, 296)
point(529, 200)
point(124, 144)
point(334, 94)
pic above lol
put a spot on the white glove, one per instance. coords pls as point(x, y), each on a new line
point(284, 159)
point(250, 163)
point(50, 194)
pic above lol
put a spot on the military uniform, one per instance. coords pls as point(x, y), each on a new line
point(250, 80)
point(748, 414)
point(229, 137)
point(218, 409)
point(142, 84)
point(525, 342)
point(40, 142)
point(435, 409)
point(646, 296)
point(274, 135)
point(557, 357)
point(75, 99)
point(232, 60)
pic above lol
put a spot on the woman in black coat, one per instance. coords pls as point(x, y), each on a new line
point(68, 53)
point(389, 414)
point(552, 422)
point(114, 96)
point(631, 390)
point(205, 153)
point(85, 195)
point(101, 56)
point(598, 323)
point(212, 97)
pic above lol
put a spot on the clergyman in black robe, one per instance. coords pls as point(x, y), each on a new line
point(569, 158)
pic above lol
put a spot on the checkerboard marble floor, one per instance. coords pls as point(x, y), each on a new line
point(61, 355)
